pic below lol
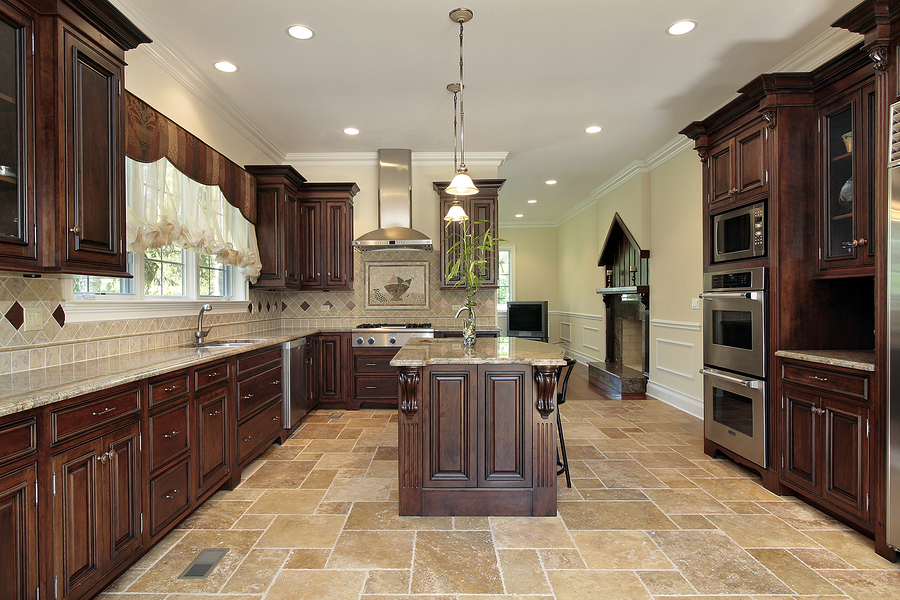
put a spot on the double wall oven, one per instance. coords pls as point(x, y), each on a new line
point(734, 362)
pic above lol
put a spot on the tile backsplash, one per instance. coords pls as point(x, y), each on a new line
point(59, 342)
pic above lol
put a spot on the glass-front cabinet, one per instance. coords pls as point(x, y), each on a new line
point(847, 132)
point(16, 137)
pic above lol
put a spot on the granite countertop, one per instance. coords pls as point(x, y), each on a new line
point(419, 352)
point(38, 387)
point(861, 360)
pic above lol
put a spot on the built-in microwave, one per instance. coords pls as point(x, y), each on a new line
point(739, 233)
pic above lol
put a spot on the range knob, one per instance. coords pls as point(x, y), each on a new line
point(393, 340)
point(371, 340)
point(359, 340)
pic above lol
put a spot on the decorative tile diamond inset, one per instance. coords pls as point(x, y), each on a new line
point(258, 307)
point(305, 305)
point(250, 308)
point(268, 306)
point(283, 306)
point(60, 315)
point(15, 315)
point(351, 304)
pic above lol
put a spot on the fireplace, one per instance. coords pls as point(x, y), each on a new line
point(627, 298)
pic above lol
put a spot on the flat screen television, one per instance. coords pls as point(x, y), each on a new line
point(527, 319)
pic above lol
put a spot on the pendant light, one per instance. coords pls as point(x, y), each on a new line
point(456, 212)
point(462, 184)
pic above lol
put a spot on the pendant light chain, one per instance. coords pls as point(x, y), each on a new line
point(462, 184)
point(462, 127)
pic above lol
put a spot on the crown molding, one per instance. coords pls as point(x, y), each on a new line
point(530, 225)
point(368, 159)
point(669, 151)
point(195, 81)
point(819, 51)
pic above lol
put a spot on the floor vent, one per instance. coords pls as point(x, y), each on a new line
point(336, 415)
point(203, 565)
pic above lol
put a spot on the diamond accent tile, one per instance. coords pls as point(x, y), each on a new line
point(268, 306)
point(283, 306)
point(60, 315)
point(351, 304)
point(250, 308)
point(15, 315)
point(258, 307)
point(305, 305)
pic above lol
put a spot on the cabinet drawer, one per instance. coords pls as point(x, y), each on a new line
point(84, 416)
point(846, 384)
point(259, 359)
point(168, 435)
point(169, 495)
point(18, 439)
point(205, 377)
point(373, 363)
point(258, 390)
point(257, 430)
point(163, 390)
point(376, 387)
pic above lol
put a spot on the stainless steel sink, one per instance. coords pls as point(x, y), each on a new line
point(226, 343)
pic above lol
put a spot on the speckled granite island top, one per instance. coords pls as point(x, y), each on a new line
point(861, 360)
point(38, 387)
point(419, 352)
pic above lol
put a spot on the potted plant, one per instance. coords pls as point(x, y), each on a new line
point(468, 255)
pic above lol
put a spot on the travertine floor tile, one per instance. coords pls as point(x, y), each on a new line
point(384, 581)
point(384, 516)
point(761, 531)
point(287, 502)
point(851, 547)
point(302, 531)
point(462, 562)
point(789, 569)
point(665, 583)
point(317, 585)
point(256, 572)
point(686, 502)
point(579, 585)
point(280, 474)
point(866, 585)
point(631, 550)
point(613, 515)
point(358, 490)
point(522, 572)
point(530, 532)
point(373, 550)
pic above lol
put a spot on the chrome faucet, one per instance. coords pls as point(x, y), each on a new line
point(471, 312)
point(202, 333)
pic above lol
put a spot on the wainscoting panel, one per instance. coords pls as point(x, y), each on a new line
point(677, 358)
point(565, 331)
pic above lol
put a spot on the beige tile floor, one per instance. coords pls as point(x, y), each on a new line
point(649, 516)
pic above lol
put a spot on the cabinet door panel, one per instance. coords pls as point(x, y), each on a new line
point(505, 449)
point(77, 535)
point(484, 217)
point(846, 455)
point(801, 439)
point(751, 167)
point(310, 244)
point(18, 530)
point(269, 222)
point(338, 254)
point(124, 492)
point(450, 446)
point(212, 439)
point(94, 190)
point(721, 159)
point(331, 353)
point(291, 243)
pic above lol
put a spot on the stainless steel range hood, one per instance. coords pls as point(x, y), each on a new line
point(395, 230)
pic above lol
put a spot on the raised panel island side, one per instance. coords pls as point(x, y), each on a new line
point(477, 432)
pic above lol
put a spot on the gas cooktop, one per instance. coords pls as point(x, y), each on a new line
point(394, 326)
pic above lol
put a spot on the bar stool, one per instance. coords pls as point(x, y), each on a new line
point(560, 400)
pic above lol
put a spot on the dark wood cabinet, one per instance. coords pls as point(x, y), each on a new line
point(312, 370)
point(18, 245)
point(333, 372)
point(737, 168)
point(19, 530)
point(259, 405)
point(847, 150)
point(62, 191)
point(825, 428)
point(96, 508)
point(326, 235)
point(20, 560)
point(277, 226)
point(211, 454)
point(483, 215)
point(374, 379)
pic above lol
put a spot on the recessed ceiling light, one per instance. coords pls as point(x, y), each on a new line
point(594, 129)
point(681, 27)
point(519, 216)
point(351, 131)
point(225, 66)
point(532, 202)
point(300, 32)
point(550, 182)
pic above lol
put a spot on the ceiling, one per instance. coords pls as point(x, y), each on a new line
point(536, 74)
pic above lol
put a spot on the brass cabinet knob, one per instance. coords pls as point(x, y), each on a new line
point(76, 230)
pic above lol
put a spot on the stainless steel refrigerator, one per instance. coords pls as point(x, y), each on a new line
point(893, 287)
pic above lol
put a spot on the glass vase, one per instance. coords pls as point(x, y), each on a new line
point(468, 331)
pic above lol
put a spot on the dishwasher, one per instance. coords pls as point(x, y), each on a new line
point(296, 402)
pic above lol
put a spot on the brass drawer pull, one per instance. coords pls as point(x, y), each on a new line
point(817, 378)
point(248, 438)
point(248, 396)
point(104, 411)
point(171, 389)
point(370, 387)
point(215, 374)
point(276, 418)
point(276, 382)
point(171, 435)
point(213, 414)
point(171, 494)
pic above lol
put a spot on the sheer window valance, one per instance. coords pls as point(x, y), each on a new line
point(165, 207)
point(150, 135)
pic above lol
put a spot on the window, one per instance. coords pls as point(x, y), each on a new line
point(164, 272)
point(505, 285)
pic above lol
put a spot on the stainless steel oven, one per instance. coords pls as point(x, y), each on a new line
point(739, 233)
point(734, 321)
point(734, 414)
point(734, 359)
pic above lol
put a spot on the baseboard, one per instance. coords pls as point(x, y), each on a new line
point(579, 356)
point(683, 402)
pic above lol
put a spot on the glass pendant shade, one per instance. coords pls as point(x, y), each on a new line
point(456, 213)
point(462, 185)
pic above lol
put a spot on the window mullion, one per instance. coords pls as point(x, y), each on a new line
point(191, 275)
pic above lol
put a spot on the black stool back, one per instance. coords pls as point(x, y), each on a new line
point(560, 400)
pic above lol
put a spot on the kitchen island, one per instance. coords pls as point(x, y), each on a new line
point(477, 432)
